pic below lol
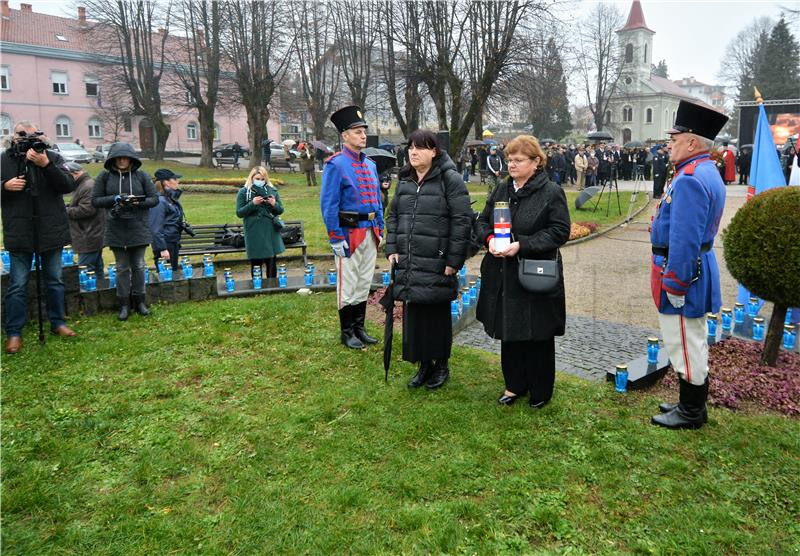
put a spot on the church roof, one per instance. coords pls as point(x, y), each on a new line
point(668, 87)
point(636, 18)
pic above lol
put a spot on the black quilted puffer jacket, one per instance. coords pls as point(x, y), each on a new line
point(429, 227)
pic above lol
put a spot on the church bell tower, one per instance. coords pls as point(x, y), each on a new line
point(636, 45)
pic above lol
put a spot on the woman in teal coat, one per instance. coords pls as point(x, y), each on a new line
point(259, 204)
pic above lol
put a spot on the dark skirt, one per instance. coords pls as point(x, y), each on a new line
point(427, 331)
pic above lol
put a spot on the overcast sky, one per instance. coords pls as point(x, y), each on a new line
point(691, 35)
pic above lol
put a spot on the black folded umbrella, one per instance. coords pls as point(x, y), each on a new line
point(387, 302)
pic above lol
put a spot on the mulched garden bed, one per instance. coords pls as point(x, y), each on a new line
point(738, 379)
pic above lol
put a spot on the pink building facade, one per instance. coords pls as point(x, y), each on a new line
point(49, 75)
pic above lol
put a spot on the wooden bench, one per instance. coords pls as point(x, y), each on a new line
point(222, 161)
point(208, 239)
point(280, 164)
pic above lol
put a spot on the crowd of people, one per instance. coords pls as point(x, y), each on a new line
point(427, 236)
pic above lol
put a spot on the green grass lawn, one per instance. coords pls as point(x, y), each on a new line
point(242, 427)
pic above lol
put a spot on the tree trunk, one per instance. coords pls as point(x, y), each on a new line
point(257, 116)
point(479, 125)
point(772, 343)
point(162, 133)
point(206, 118)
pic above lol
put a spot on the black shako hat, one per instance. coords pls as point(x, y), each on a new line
point(700, 120)
point(348, 118)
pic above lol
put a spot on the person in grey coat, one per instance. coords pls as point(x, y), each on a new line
point(526, 323)
point(87, 224)
point(128, 193)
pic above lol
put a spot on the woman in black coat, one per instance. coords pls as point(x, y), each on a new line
point(526, 323)
point(428, 230)
point(128, 193)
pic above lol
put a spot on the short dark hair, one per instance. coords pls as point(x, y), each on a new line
point(424, 139)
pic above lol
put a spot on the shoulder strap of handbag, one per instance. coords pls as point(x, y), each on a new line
point(520, 259)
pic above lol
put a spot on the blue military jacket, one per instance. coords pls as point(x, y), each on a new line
point(686, 221)
point(350, 183)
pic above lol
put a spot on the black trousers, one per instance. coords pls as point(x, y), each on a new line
point(658, 187)
point(270, 266)
point(173, 249)
point(529, 366)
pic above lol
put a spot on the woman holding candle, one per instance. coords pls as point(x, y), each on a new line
point(259, 204)
point(526, 323)
point(428, 232)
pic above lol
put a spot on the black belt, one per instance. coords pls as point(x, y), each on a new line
point(664, 251)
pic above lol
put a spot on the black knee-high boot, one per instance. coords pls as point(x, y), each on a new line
point(346, 323)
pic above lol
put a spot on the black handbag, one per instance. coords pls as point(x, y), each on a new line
point(539, 276)
point(278, 224)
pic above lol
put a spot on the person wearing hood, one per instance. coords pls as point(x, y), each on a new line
point(428, 232)
point(86, 223)
point(526, 323)
point(166, 218)
point(128, 194)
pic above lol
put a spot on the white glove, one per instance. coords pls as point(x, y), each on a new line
point(676, 301)
point(339, 248)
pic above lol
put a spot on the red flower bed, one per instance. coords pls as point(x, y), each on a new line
point(737, 376)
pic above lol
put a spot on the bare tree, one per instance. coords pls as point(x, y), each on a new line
point(356, 34)
point(320, 70)
point(400, 78)
point(197, 65)
point(136, 33)
point(601, 61)
point(258, 47)
point(113, 109)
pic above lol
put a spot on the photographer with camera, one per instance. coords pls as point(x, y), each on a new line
point(34, 221)
point(128, 194)
point(167, 218)
point(86, 223)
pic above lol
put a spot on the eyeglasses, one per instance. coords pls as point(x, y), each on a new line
point(518, 161)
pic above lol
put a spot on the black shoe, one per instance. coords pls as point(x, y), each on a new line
point(124, 308)
point(141, 308)
point(536, 404)
point(359, 313)
point(346, 323)
point(667, 407)
point(688, 414)
point(441, 373)
point(508, 400)
point(423, 374)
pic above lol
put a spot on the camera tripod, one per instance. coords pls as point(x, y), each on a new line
point(638, 186)
point(612, 186)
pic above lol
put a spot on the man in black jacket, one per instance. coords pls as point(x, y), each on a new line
point(660, 161)
point(34, 221)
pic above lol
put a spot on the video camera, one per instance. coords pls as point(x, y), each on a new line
point(125, 203)
point(25, 141)
point(188, 228)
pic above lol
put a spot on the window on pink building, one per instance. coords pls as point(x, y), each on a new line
point(59, 82)
point(91, 89)
point(63, 127)
point(6, 125)
point(5, 79)
point(95, 128)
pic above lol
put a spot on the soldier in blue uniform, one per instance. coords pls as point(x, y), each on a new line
point(684, 274)
point(353, 215)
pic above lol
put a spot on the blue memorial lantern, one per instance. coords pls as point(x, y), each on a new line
point(282, 278)
point(789, 337)
point(112, 275)
point(738, 313)
point(91, 281)
point(621, 378)
point(208, 265)
point(758, 329)
point(332, 276)
point(257, 279)
point(711, 323)
point(652, 350)
point(473, 292)
point(82, 276)
point(753, 307)
point(308, 277)
point(727, 321)
point(386, 277)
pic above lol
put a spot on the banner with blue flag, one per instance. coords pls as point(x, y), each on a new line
point(765, 173)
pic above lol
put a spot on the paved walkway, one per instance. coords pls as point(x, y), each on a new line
point(589, 349)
